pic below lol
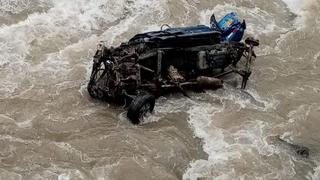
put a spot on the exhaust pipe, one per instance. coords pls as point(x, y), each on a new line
point(209, 82)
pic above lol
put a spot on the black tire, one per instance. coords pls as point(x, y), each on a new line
point(139, 107)
point(100, 77)
point(92, 92)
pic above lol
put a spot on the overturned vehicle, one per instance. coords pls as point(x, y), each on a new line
point(170, 60)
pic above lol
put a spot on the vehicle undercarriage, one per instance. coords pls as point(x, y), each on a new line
point(155, 63)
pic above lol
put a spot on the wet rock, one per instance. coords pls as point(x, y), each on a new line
point(301, 150)
point(297, 149)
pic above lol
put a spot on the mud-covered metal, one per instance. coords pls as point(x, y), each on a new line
point(132, 67)
point(167, 61)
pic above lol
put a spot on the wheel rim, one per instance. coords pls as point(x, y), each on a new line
point(144, 110)
point(100, 72)
point(100, 80)
point(92, 87)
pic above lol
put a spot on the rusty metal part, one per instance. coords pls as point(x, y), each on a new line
point(124, 70)
point(209, 82)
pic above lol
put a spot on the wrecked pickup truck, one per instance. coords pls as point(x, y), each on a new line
point(170, 60)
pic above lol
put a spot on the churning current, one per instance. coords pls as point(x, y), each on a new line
point(51, 129)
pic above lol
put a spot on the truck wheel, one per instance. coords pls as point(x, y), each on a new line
point(139, 107)
point(91, 91)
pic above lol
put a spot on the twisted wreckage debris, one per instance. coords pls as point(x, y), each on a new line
point(170, 60)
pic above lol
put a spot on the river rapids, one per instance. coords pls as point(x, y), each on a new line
point(51, 129)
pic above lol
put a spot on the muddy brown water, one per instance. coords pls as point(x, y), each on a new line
point(51, 129)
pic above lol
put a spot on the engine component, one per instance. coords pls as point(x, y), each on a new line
point(214, 59)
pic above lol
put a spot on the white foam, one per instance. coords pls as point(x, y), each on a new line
point(64, 177)
point(227, 158)
point(316, 174)
point(258, 21)
point(25, 124)
point(66, 26)
point(114, 35)
point(300, 8)
point(14, 6)
point(294, 5)
point(300, 114)
point(59, 173)
point(10, 175)
point(104, 172)
point(316, 59)
point(227, 148)
point(19, 140)
point(66, 23)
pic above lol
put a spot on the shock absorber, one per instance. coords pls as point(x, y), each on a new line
point(251, 42)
